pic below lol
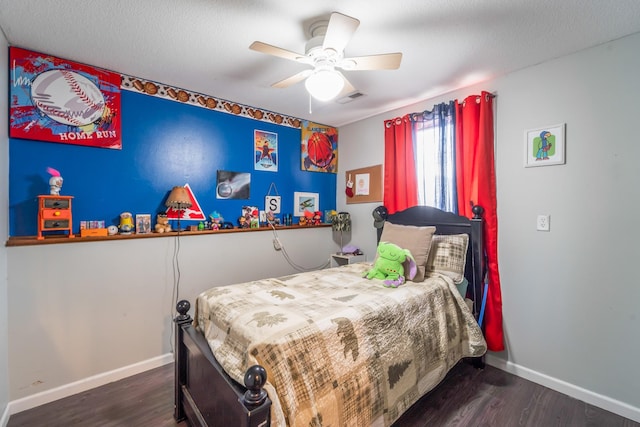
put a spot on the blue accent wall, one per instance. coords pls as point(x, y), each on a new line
point(164, 143)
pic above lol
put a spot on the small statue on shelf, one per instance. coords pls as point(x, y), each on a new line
point(271, 219)
point(317, 218)
point(55, 182)
point(126, 223)
point(216, 220)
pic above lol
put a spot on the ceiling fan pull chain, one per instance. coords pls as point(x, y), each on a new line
point(310, 111)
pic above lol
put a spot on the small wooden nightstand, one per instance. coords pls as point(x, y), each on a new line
point(344, 259)
point(54, 214)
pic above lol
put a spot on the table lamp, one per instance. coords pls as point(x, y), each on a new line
point(178, 200)
point(341, 222)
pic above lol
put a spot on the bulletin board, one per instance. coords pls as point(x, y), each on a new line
point(367, 184)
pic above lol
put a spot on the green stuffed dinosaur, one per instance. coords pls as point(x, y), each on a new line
point(388, 265)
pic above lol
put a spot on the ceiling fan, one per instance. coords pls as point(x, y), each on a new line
point(325, 53)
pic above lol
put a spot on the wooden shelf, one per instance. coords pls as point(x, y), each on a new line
point(54, 239)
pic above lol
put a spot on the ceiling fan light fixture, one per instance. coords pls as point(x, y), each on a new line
point(324, 84)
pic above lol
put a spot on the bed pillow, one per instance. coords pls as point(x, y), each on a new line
point(415, 239)
point(448, 256)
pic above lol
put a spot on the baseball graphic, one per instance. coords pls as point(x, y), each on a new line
point(67, 97)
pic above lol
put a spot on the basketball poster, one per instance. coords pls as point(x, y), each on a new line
point(319, 149)
point(56, 100)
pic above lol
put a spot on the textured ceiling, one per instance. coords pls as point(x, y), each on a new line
point(203, 45)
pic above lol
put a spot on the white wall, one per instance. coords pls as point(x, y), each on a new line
point(82, 309)
point(361, 144)
point(570, 296)
point(4, 207)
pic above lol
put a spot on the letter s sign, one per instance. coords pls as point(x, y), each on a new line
point(272, 204)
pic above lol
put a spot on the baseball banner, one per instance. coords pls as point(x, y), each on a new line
point(56, 100)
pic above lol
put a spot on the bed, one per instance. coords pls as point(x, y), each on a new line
point(330, 347)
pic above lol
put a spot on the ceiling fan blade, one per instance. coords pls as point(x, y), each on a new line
point(276, 51)
point(339, 31)
point(293, 79)
point(347, 89)
point(385, 61)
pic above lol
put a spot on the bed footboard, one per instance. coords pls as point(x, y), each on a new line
point(204, 394)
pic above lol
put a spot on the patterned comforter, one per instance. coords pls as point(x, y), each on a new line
point(339, 349)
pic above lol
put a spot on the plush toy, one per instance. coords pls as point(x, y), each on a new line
point(388, 265)
point(162, 224)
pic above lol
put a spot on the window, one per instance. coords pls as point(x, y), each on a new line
point(435, 163)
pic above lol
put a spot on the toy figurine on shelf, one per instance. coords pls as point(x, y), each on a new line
point(126, 223)
point(317, 218)
point(303, 221)
point(308, 218)
point(216, 220)
point(55, 182)
point(271, 218)
point(242, 222)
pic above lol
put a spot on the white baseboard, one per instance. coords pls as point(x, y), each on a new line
point(85, 384)
point(588, 396)
point(4, 420)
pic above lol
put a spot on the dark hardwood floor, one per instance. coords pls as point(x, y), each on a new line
point(467, 397)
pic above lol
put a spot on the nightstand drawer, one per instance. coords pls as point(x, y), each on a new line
point(56, 203)
point(55, 214)
point(56, 223)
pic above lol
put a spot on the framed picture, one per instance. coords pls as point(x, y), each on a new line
point(305, 202)
point(233, 185)
point(319, 148)
point(143, 223)
point(544, 146)
point(266, 151)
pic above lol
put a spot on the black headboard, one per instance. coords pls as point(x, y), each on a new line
point(449, 223)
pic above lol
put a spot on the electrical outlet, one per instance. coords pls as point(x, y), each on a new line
point(543, 223)
point(276, 244)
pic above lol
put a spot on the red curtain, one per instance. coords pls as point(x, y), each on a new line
point(400, 182)
point(477, 185)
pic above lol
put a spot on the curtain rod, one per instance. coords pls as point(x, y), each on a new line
point(388, 122)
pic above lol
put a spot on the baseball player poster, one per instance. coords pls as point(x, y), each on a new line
point(56, 100)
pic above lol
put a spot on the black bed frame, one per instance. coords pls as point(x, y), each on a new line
point(205, 395)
